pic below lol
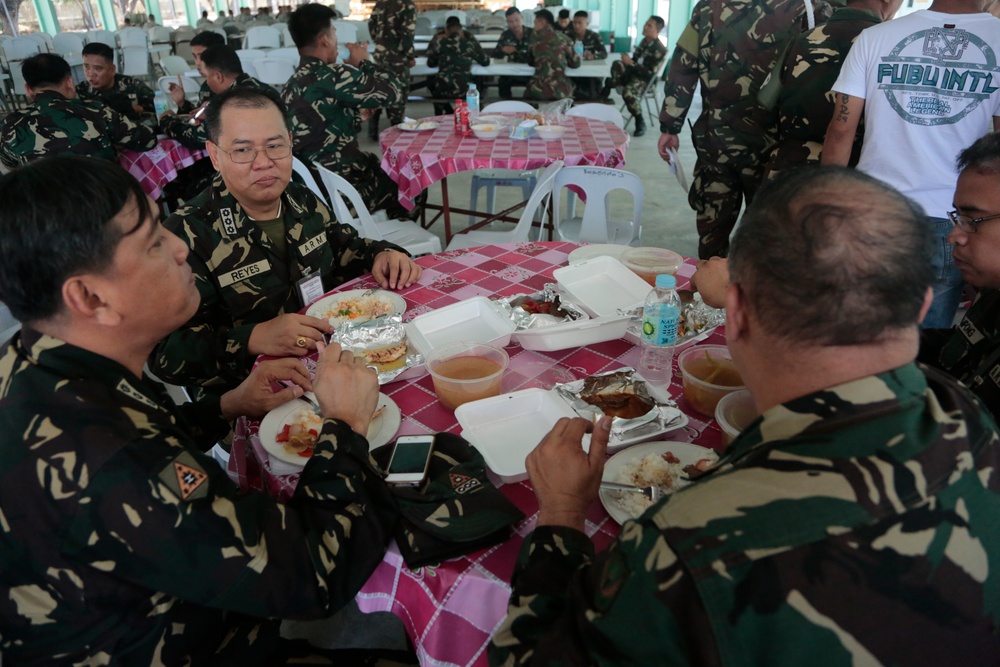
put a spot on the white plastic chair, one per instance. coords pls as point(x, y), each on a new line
point(102, 36)
point(191, 89)
point(424, 26)
point(248, 57)
point(9, 325)
point(289, 54)
point(597, 225)
point(300, 168)
point(273, 71)
point(133, 37)
point(286, 37)
point(346, 32)
point(262, 37)
point(404, 233)
point(43, 39)
point(15, 50)
point(135, 61)
point(67, 42)
point(159, 34)
point(650, 96)
point(491, 179)
point(174, 65)
point(598, 112)
point(522, 230)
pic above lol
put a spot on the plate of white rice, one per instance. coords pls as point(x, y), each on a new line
point(648, 464)
point(356, 305)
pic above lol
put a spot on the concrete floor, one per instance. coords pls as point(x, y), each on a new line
point(667, 220)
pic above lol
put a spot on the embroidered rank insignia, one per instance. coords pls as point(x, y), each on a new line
point(462, 483)
point(185, 477)
point(228, 221)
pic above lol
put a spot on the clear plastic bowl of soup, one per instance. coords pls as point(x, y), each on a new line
point(647, 263)
point(466, 371)
point(709, 374)
point(734, 413)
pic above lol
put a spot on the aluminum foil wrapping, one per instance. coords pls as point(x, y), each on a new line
point(381, 332)
point(624, 380)
point(565, 311)
point(697, 317)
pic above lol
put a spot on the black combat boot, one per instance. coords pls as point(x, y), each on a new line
point(640, 126)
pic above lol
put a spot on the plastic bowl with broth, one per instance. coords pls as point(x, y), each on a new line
point(647, 263)
point(709, 374)
point(466, 371)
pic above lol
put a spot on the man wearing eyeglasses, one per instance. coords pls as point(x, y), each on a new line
point(971, 351)
point(261, 247)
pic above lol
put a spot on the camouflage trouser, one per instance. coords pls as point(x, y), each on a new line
point(632, 85)
point(402, 71)
point(718, 190)
point(379, 192)
point(791, 154)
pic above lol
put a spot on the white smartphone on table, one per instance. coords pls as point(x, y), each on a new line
point(410, 458)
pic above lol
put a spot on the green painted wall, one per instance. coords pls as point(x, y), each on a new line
point(106, 15)
point(153, 7)
point(46, 12)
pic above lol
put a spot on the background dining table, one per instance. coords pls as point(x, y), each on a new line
point(157, 167)
point(450, 610)
point(417, 160)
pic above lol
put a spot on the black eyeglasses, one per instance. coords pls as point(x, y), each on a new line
point(967, 223)
point(248, 155)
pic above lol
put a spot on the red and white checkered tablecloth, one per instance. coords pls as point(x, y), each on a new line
point(155, 168)
point(416, 160)
point(451, 610)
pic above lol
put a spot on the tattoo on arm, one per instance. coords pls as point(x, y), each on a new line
point(842, 114)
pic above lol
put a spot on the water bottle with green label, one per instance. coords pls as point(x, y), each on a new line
point(661, 315)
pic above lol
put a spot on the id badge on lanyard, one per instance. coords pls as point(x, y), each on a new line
point(310, 288)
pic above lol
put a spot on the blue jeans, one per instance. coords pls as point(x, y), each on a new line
point(947, 283)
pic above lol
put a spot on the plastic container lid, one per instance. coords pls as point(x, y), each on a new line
point(666, 281)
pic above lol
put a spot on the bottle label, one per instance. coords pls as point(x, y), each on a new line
point(660, 328)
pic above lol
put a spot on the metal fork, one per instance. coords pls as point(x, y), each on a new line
point(654, 493)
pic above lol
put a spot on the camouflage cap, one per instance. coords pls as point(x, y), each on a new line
point(456, 511)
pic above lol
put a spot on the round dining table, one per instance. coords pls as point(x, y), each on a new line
point(417, 160)
point(157, 167)
point(450, 610)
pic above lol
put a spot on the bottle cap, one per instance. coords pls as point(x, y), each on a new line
point(665, 281)
point(472, 86)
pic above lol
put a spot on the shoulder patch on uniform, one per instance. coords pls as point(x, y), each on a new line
point(462, 483)
point(126, 388)
point(228, 221)
point(185, 477)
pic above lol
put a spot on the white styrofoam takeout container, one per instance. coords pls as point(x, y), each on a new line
point(506, 428)
point(477, 319)
point(601, 286)
point(573, 334)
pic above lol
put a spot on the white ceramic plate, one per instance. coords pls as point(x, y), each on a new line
point(494, 120)
point(321, 306)
point(585, 252)
point(418, 126)
point(688, 454)
point(380, 431)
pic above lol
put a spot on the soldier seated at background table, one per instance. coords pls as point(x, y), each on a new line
point(593, 49)
point(258, 242)
point(58, 122)
point(453, 54)
point(550, 54)
point(852, 523)
point(564, 22)
point(327, 101)
point(204, 21)
point(122, 542)
point(125, 94)
point(514, 45)
point(634, 73)
point(199, 43)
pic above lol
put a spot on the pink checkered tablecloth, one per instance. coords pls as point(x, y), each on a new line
point(155, 168)
point(451, 610)
point(416, 160)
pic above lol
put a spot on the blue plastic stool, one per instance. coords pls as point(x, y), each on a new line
point(492, 178)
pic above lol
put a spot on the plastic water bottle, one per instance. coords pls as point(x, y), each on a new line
point(578, 47)
point(661, 314)
point(472, 101)
point(159, 103)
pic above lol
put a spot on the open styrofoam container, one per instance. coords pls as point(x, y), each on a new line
point(602, 286)
point(573, 334)
point(477, 319)
point(506, 428)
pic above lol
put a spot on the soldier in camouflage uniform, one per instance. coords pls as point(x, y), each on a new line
point(633, 73)
point(126, 95)
point(551, 53)
point(593, 49)
point(851, 524)
point(222, 70)
point(392, 24)
point(564, 23)
point(729, 46)
point(327, 102)
point(453, 54)
point(514, 45)
point(971, 350)
point(812, 62)
point(57, 122)
point(121, 541)
point(255, 239)
point(199, 43)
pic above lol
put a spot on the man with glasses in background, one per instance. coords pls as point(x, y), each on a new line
point(971, 351)
point(261, 248)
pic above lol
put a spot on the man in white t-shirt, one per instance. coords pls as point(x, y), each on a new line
point(928, 85)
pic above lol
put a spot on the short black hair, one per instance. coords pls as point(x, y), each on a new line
point(204, 14)
point(453, 22)
point(983, 156)
point(223, 59)
point(546, 16)
point(829, 256)
point(100, 49)
point(55, 223)
point(45, 69)
point(308, 23)
point(564, 13)
point(208, 39)
point(582, 14)
point(241, 98)
point(658, 20)
point(512, 10)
